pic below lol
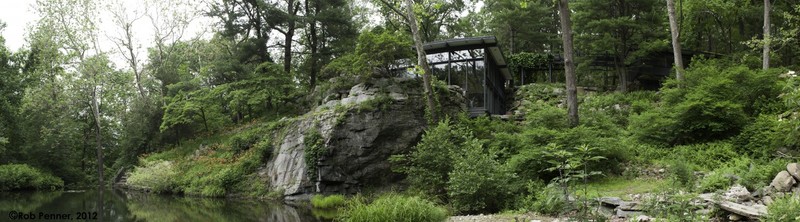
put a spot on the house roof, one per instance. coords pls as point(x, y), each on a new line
point(489, 43)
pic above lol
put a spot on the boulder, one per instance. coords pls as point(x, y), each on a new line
point(794, 170)
point(737, 193)
point(356, 144)
point(783, 182)
point(610, 201)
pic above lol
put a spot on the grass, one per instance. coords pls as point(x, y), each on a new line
point(328, 202)
point(393, 207)
point(620, 187)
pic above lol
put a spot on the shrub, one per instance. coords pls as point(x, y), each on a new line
point(428, 167)
point(682, 173)
point(24, 177)
point(244, 140)
point(327, 202)
point(478, 183)
point(760, 138)
point(550, 201)
point(784, 209)
point(707, 155)
point(159, 176)
point(715, 180)
point(393, 207)
point(759, 174)
point(715, 102)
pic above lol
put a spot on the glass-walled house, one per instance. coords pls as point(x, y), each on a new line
point(476, 65)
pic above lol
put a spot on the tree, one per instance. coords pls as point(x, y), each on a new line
point(422, 60)
point(432, 16)
point(569, 62)
point(676, 44)
point(765, 58)
point(536, 33)
point(329, 33)
point(620, 31)
point(125, 43)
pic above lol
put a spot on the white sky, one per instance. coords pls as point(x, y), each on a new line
point(16, 14)
point(19, 15)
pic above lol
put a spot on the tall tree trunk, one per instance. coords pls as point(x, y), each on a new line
point(676, 44)
point(569, 64)
point(313, 43)
point(422, 60)
point(287, 47)
point(98, 139)
point(766, 34)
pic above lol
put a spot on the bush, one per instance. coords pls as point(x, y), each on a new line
point(716, 101)
point(394, 207)
point(24, 177)
point(428, 167)
point(327, 202)
point(784, 209)
point(478, 183)
point(158, 176)
point(550, 201)
point(759, 174)
point(682, 173)
point(760, 138)
point(707, 156)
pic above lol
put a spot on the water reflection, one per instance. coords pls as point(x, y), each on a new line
point(115, 205)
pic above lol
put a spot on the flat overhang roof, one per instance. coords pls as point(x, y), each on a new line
point(485, 42)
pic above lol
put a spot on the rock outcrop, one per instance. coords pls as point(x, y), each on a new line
point(783, 182)
point(357, 133)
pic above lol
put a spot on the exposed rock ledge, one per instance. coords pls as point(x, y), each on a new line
point(357, 142)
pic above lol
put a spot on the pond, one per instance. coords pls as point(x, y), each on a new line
point(117, 205)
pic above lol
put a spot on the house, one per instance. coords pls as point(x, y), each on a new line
point(475, 64)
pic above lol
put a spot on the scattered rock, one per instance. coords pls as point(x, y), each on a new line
point(734, 217)
point(794, 170)
point(767, 200)
point(783, 182)
point(630, 206)
point(643, 218)
point(753, 212)
point(611, 201)
point(628, 214)
point(737, 193)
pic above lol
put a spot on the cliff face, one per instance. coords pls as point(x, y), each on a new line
point(355, 134)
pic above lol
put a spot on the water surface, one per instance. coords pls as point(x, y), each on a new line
point(116, 205)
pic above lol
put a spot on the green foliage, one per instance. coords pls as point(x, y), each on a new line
point(478, 183)
point(715, 102)
point(328, 202)
point(761, 138)
point(393, 207)
point(375, 52)
point(682, 173)
point(784, 209)
point(715, 180)
point(789, 119)
point(14, 177)
point(314, 150)
point(674, 206)
point(158, 176)
point(550, 201)
point(428, 167)
point(707, 155)
point(380, 102)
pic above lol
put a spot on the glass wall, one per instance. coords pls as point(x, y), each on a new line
point(481, 82)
